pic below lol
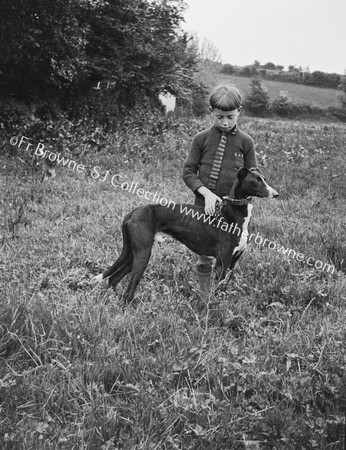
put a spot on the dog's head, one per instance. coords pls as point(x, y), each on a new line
point(251, 183)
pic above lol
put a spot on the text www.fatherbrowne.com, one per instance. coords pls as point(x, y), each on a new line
point(259, 240)
point(132, 187)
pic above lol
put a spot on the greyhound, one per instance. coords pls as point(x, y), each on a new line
point(223, 236)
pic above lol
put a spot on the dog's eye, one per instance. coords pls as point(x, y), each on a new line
point(258, 180)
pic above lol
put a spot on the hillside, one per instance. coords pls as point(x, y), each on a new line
point(299, 93)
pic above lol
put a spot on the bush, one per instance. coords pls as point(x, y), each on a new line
point(258, 99)
point(282, 105)
point(72, 51)
point(228, 69)
point(196, 104)
point(248, 71)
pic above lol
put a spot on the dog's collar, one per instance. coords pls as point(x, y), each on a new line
point(232, 201)
point(237, 201)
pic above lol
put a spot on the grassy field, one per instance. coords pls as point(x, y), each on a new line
point(299, 93)
point(261, 366)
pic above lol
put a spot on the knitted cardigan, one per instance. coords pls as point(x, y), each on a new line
point(239, 152)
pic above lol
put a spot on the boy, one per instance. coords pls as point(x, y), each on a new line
point(216, 154)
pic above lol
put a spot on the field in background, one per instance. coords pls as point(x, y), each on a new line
point(261, 366)
point(299, 93)
point(314, 96)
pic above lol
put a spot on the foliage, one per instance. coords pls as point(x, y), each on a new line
point(270, 71)
point(282, 105)
point(248, 71)
point(42, 48)
point(197, 105)
point(269, 65)
point(258, 98)
point(136, 60)
point(205, 49)
point(228, 69)
point(342, 97)
point(70, 49)
point(209, 51)
point(322, 79)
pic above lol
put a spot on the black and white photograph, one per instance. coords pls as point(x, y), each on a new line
point(172, 225)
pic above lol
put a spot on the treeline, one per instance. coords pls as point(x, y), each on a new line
point(294, 74)
point(99, 55)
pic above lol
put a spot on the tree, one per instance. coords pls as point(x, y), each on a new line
point(248, 71)
point(282, 105)
point(42, 47)
point(257, 100)
point(67, 47)
point(228, 68)
point(342, 86)
point(209, 51)
point(270, 66)
point(323, 79)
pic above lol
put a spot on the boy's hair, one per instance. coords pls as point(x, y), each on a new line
point(225, 98)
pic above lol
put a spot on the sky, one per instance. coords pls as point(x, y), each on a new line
point(307, 33)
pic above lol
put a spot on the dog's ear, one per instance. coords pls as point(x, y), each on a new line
point(242, 173)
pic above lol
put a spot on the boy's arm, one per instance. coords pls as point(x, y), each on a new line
point(210, 200)
point(191, 166)
point(250, 154)
point(190, 169)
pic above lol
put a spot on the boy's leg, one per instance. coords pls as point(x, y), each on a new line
point(204, 271)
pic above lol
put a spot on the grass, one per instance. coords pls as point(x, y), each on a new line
point(261, 366)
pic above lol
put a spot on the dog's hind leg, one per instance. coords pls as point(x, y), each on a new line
point(139, 265)
point(120, 273)
point(122, 266)
point(142, 239)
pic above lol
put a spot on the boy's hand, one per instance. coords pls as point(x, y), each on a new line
point(210, 200)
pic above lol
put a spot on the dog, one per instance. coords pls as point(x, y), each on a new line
point(223, 236)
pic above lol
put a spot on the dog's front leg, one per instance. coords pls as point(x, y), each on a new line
point(220, 273)
point(222, 268)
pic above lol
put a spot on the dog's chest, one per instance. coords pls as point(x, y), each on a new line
point(244, 232)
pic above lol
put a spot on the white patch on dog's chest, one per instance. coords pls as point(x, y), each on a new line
point(244, 232)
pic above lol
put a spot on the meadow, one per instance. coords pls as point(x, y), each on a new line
point(299, 93)
point(260, 366)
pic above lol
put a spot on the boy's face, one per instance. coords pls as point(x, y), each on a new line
point(225, 120)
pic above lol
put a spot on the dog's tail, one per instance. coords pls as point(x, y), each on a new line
point(123, 264)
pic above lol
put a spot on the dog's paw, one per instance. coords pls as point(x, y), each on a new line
point(97, 279)
point(159, 237)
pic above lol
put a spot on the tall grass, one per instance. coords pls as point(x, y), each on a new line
point(259, 366)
